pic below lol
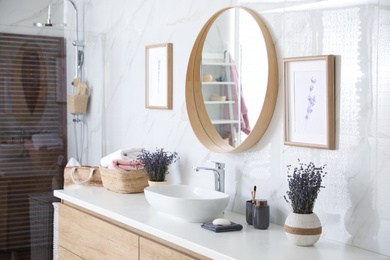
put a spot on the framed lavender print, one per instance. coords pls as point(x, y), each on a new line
point(158, 76)
point(309, 101)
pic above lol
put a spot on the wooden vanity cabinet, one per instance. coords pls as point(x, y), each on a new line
point(151, 250)
point(66, 254)
point(83, 234)
point(92, 238)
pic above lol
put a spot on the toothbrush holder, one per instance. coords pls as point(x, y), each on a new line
point(249, 212)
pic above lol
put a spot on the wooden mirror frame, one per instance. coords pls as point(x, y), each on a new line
point(196, 109)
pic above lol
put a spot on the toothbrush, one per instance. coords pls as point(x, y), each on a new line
point(253, 193)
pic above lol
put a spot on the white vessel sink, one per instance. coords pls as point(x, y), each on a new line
point(186, 203)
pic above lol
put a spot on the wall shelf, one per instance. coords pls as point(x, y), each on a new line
point(219, 102)
point(218, 83)
point(218, 63)
point(224, 122)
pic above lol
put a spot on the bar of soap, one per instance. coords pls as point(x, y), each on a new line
point(221, 222)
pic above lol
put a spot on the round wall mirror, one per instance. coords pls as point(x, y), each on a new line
point(232, 81)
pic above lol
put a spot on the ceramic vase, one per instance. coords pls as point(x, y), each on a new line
point(303, 229)
point(156, 183)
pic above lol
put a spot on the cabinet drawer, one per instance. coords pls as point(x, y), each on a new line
point(93, 238)
point(153, 250)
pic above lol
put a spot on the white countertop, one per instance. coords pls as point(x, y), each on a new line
point(249, 243)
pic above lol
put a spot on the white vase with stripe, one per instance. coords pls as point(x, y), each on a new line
point(303, 229)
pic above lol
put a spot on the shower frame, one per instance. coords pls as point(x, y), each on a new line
point(78, 119)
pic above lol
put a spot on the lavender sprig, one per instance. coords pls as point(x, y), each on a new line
point(156, 164)
point(311, 99)
point(304, 185)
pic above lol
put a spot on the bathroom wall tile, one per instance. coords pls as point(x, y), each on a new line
point(352, 166)
point(355, 192)
point(126, 84)
point(271, 12)
point(381, 192)
point(383, 68)
point(319, 34)
point(94, 75)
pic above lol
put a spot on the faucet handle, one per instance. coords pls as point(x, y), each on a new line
point(218, 165)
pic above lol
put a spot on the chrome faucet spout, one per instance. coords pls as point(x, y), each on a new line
point(203, 168)
point(219, 175)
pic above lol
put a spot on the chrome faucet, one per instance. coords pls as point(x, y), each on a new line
point(219, 174)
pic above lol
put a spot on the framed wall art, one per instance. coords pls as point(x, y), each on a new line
point(158, 76)
point(308, 97)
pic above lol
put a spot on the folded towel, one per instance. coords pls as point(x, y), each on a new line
point(125, 154)
point(125, 165)
point(218, 228)
point(72, 162)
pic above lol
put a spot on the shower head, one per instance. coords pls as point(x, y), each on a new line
point(39, 24)
point(48, 21)
point(77, 43)
point(49, 24)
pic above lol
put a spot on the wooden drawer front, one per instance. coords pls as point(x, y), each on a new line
point(93, 238)
point(153, 250)
point(64, 254)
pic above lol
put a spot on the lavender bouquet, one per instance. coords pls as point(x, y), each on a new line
point(304, 185)
point(156, 164)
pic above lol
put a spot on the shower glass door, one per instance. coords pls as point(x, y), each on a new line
point(32, 142)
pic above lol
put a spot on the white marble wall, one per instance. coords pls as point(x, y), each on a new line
point(354, 206)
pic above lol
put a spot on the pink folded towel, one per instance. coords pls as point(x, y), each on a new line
point(125, 165)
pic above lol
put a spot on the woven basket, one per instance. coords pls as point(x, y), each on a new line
point(81, 174)
point(77, 104)
point(124, 181)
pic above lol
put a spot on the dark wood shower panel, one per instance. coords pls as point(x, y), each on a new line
point(33, 142)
